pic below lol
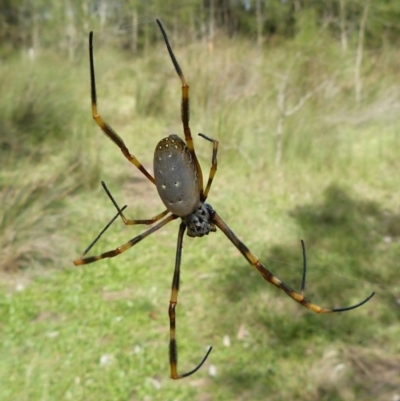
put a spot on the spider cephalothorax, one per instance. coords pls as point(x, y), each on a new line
point(179, 181)
point(199, 223)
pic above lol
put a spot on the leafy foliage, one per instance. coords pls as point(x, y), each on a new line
point(62, 26)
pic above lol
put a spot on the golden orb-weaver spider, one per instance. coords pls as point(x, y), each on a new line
point(179, 181)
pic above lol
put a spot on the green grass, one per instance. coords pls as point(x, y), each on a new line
point(100, 332)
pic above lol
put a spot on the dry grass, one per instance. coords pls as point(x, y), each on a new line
point(32, 220)
point(354, 373)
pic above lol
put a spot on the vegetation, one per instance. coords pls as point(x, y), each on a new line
point(309, 140)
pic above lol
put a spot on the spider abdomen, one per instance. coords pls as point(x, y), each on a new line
point(176, 176)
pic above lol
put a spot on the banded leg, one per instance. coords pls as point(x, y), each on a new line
point(124, 247)
point(124, 219)
point(185, 110)
point(103, 231)
point(173, 348)
point(131, 222)
point(268, 276)
point(213, 168)
point(103, 125)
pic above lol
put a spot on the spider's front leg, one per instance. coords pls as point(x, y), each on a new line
point(124, 219)
point(114, 252)
point(271, 278)
point(173, 347)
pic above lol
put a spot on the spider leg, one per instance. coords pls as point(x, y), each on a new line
point(124, 247)
point(124, 219)
point(131, 222)
point(103, 231)
point(103, 125)
point(173, 347)
point(213, 168)
point(268, 276)
point(185, 110)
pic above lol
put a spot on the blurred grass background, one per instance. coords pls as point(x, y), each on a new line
point(100, 332)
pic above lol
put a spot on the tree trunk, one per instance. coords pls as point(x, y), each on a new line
point(134, 37)
point(35, 47)
point(343, 33)
point(211, 27)
point(360, 46)
point(260, 22)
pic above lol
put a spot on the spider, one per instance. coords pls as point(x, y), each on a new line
point(179, 182)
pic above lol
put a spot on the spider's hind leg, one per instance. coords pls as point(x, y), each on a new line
point(185, 109)
point(213, 168)
point(103, 125)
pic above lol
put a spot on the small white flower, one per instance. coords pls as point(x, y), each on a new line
point(226, 341)
point(20, 287)
point(212, 370)
point(105, 360)
point(154, 382)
